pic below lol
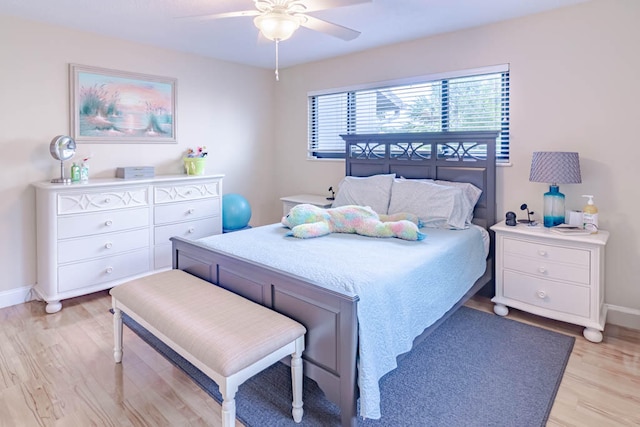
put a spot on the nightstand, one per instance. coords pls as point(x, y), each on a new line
point(552, 275)
point(312, 199)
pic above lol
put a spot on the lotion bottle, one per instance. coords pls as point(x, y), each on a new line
point(590, 216)
point(75, 173)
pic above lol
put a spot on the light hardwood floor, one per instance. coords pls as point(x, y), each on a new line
point(58, 370)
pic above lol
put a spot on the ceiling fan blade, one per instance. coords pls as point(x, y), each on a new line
point(221, 15)
point(312, 6)
point(334, 30)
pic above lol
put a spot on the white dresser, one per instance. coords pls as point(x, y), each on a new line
point(552, 275)
point(96, 235)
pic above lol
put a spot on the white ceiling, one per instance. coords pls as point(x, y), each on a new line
point(381, 22)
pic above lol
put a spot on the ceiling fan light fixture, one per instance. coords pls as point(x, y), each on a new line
point(277, 26)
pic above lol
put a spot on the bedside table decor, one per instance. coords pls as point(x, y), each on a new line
point(555, 167)
point(559, 276)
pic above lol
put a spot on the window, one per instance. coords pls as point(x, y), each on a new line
point(461, 101)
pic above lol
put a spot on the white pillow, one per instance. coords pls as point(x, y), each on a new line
point(373, 191)
point(471, 193)
point(436, 205)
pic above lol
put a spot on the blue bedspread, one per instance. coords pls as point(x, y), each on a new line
point(403, 286)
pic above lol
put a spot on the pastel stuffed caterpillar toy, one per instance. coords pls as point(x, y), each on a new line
point(307, 221)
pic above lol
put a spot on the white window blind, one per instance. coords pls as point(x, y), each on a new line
point(461, 101)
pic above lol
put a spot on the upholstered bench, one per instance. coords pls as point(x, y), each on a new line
point(226, 336)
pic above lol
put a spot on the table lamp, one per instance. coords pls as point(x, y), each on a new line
point(553, 168)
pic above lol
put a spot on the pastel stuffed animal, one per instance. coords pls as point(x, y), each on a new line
point(307, 221)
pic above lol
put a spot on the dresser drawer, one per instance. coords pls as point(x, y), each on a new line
point(186, 211)
point(547, 269)
point(177, 193)
point(189, 229)
point(541, 251)
point(102, 222)
point(102, 245)
point(89, 273)
point(548, 294)
point(71, 203)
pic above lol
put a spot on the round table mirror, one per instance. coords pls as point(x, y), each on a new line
point(62, 148)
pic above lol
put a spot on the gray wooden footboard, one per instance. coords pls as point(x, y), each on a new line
point(330, 317)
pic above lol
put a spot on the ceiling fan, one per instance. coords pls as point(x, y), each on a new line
point(277, 20)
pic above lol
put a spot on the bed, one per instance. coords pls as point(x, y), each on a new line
point(342, 334)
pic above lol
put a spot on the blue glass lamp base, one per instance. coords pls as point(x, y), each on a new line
point(553, 207)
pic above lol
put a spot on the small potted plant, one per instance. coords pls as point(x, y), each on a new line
point(194, 160)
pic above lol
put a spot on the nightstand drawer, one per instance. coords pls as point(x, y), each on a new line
point(547, 269)
point(547, 294)
point(541, 251)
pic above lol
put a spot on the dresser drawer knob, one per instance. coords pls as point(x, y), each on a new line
point(541, 294)
point(192, 230)
point(107, 200)
point(542, 253)
point(108, 245)
point(108, 223)
point(109, 270)
point(542, 270)
point(190, 211)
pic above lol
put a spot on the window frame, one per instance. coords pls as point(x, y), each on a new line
point(444, 79)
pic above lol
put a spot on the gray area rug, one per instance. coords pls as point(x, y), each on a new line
point(476, 369)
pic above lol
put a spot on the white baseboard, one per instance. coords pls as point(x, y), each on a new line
point(16, 296)
point(623, 316)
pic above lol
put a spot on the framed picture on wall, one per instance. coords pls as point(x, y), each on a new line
point(110, 106)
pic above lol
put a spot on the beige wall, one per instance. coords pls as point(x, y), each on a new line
point(574, 87)
point(220, 105)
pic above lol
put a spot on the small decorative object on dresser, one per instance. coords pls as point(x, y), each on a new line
point(97, 235)
point(311, 199)
point(559, 276)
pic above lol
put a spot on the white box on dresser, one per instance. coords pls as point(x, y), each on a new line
point(93, 236)
point(552, 275)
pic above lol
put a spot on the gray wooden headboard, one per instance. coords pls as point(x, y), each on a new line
point(452, 156)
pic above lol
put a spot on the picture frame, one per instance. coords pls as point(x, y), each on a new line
point(111, 106)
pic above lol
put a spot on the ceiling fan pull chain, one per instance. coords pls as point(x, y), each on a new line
point(277, 44)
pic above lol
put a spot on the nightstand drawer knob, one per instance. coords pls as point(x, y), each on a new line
point(191, 211)
point(542, 294)
point(191, 230)
point(108, 245)
point(542, 253)
point(542, 270)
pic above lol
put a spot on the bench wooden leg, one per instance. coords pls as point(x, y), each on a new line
point(228, 393)
point(117, 334)
point(296, 380)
